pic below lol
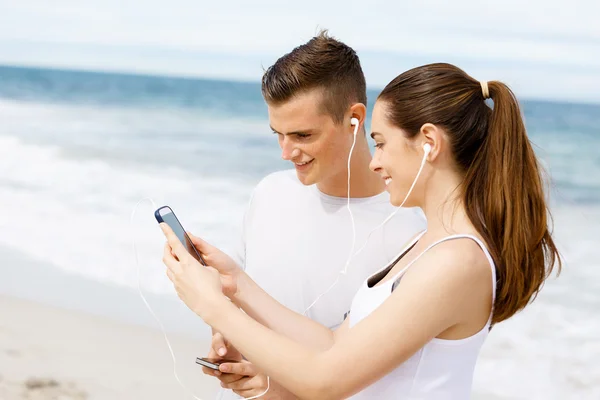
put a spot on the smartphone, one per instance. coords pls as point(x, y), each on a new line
point(212, 363)
point(166, 215)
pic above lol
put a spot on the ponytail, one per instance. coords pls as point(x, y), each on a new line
point(504, 199)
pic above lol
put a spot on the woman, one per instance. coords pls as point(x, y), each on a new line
point(415, 328)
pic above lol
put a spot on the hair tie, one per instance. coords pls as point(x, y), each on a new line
point(485, 90)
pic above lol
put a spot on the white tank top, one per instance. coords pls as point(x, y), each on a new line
point(440, 370)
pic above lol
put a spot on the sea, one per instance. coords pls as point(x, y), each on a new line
point(85, 157)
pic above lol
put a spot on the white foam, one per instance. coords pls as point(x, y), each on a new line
point(551, 349)
point(75, 214)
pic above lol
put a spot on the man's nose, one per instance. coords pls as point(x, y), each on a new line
point(288, 152)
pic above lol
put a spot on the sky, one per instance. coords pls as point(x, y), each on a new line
point(542, 49)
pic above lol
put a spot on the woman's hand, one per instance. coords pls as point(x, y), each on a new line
point(228, 269)
point(199, 287)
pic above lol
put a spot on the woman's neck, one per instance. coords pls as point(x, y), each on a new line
point(444, 208)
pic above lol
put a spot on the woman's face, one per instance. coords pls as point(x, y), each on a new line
point(397, 158)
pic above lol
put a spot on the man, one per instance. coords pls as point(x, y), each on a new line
point(298, 232)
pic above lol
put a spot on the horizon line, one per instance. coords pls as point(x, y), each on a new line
point(231, 79)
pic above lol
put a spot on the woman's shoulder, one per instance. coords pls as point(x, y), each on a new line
point(458, 256)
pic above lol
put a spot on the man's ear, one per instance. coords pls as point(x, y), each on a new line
point(358, 111)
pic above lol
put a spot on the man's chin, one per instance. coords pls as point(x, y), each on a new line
point(306, 179)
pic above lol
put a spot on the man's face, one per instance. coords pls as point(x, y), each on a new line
point(310, 139)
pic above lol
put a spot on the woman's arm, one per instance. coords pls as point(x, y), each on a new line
point(251, 298)
point(430, 299)
point(263, 308)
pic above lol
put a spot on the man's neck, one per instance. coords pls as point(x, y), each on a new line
point(363, 181)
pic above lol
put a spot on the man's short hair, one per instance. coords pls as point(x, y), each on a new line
point(322, 63)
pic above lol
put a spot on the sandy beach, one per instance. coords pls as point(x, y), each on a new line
point(52, 353)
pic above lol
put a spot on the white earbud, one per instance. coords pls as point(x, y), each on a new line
point(356, 124)
point(427, 149)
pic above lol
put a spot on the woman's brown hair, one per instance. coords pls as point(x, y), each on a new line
point(502, 190)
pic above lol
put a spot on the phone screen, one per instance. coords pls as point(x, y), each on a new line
point(166, 215)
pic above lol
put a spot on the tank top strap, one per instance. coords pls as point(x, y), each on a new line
point(401, 254)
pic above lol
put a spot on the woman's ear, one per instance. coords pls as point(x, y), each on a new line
point(433, 136)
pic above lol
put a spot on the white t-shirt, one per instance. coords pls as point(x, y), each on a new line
point(296, 240)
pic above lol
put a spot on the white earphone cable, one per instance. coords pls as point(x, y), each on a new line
point(162, 328)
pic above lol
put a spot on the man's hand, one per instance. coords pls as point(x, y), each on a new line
point(242, 377)
point(220, 349)
point(252, 382)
